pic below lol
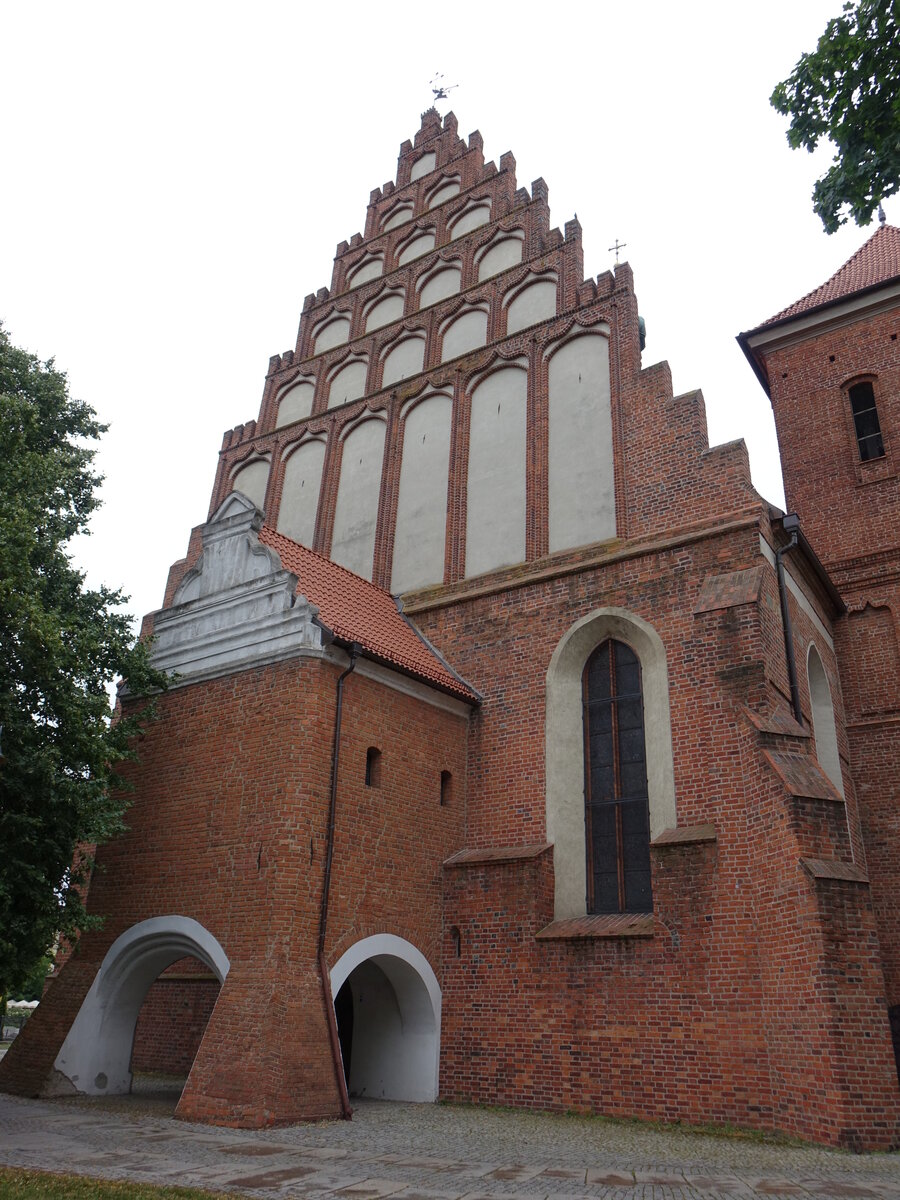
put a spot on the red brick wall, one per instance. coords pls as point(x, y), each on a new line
point(850, 511)
point(228, 828)
point(173, 1018)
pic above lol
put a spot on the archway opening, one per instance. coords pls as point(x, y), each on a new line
point(170, 1026)
point(95, 1058)
point(387, 1007)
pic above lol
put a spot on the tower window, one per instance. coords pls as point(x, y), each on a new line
point(446, 787)
point(617, 817)
point(373, 767)
point(865, 421)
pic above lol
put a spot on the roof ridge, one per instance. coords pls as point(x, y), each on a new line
point(859, 263)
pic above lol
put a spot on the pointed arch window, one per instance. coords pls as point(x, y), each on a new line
point(865, 421)
point(617, 818)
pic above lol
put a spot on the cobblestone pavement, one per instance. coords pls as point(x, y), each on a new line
point(427, 1152)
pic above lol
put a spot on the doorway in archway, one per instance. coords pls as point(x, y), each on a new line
point(96, 1056)
point(387, 1007)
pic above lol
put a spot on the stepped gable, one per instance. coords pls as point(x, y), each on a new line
point(874, 264)
point(358, 611)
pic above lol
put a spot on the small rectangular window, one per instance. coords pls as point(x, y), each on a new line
point(373, 767)
point(865, 420)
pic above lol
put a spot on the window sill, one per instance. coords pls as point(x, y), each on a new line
point(874, 470)
point(684, 835)
point(601, 925)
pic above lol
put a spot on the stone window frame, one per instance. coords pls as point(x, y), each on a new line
point(564, 734)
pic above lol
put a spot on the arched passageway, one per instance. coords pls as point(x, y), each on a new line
point(95, 1058)
point(388, 1008)
point(172, 1021)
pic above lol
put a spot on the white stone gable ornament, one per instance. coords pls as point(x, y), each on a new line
point(238, 607)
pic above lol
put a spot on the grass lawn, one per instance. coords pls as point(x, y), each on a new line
point(19, 1184)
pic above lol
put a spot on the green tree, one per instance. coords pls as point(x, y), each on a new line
point(61, 644)
point(848, 91)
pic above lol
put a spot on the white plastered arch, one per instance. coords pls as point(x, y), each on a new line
point(401, 1058)
point(96, 1054)
point(564, 733)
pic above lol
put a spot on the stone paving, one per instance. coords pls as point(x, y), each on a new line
point(427, 1152)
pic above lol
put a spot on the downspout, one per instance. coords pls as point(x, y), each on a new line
point(346, 1110)
point(790, 524)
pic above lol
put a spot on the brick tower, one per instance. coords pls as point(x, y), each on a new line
point(830, 364)
point(487, 771)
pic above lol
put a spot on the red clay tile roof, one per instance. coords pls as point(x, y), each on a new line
point(876, 261)
point(356, 610)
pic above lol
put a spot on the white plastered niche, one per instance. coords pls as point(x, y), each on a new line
point(422, 498)
point(495, 505)
point(300, 491)
point(356, 514)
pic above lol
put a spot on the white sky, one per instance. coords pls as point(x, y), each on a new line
point(178, 175)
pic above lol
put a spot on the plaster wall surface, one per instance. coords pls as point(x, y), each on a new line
point(472, 218)
point(385, 311)
point(416, 248)
point(422, 166)
point(445, 192)
point(495, 491)
point(404, 359)
point(439, 287)
point(467, 332)
point(349, 383)
point(537, 302)
point(353, 538)
point(300, 492)
point(334, 333)
point(252, 481)
point(503, 254)
point(370, 268)
point(295, 403)
point(422, 501)
point(582, 501)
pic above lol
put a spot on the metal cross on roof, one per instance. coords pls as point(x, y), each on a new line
point(617, 247)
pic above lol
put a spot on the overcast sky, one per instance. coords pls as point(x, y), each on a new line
point(178, 175)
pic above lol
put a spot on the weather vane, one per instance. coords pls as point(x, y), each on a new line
point(439, 88)
point(617, 247)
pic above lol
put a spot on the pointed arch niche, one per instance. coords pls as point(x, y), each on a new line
point(300, 490)
point(295, 402)
point(495, 488)
point(420, 529)
point(356, 512)
point(348, 382)
point(403, 359)
point(252, 479)
point(581, 491)
point(824, 729)
point(465, 332)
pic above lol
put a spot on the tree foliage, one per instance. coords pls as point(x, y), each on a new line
point(61, 644)
point(848, 91)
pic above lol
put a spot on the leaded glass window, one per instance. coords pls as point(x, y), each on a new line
point(617, 816)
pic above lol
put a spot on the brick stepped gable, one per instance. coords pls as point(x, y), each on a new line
point(668, 434)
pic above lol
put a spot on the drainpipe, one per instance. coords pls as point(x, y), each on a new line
point(346, 1110)
point(790, 524)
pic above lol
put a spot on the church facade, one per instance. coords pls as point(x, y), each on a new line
point(518, 751)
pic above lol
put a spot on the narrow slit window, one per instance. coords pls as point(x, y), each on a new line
point(373, 767)
point(865, 421)
point(617, 814)
point(446, 787)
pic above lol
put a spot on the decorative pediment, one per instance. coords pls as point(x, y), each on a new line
point(238, 607)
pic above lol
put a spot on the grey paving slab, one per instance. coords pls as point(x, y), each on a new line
point(430, 1152)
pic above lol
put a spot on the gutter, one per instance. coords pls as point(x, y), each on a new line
point(791, 525)
point(330, 1017)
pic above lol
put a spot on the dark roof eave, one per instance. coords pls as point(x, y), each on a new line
point(743, 339)
point(466, 696)
point(815, 563)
